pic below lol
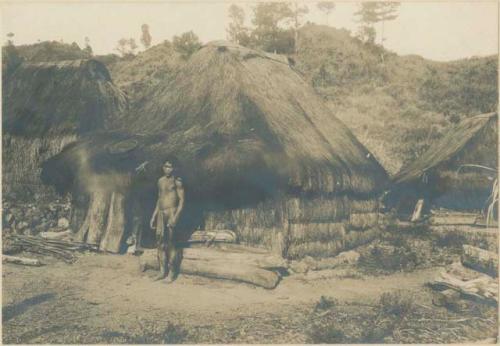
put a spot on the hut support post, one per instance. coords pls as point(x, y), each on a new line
point(115, 230)
point(94, 223)
point(98, 209)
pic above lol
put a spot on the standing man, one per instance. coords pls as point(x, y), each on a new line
point(166, 214)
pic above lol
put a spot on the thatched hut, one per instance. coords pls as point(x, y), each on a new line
point(453, 173)
point(260, 154)
point(48, 105)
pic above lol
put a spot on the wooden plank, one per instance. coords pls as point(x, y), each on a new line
point(115, 229)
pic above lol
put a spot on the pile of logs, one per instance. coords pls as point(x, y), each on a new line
point(473, 278)
point(64, 250)
point(228, 262)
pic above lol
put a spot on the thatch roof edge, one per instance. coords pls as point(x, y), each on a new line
point(454, 141)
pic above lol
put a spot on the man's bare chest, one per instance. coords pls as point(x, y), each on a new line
point(167, 185)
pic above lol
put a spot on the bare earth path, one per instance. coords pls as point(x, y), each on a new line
point(104, 298)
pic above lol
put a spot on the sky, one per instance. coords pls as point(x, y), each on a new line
point(440, 31)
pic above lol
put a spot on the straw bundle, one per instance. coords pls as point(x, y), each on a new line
point(364, 205)
point(363, 221)
point(315, 249)
point(316, 232)
point(354, 239)
point(305, 210)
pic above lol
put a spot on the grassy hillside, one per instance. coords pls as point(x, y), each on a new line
point(396, 105)
point(51, 51)
point(139, 75)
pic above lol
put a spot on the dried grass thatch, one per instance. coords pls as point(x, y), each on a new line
point(66, 97)
point(232, 109)
point(363, 220)
point(47, 106)
point(474, 140)
point(316, 232)
point(445, 173)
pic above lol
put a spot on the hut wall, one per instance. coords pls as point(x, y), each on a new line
point(22, 158)
point(298, 227)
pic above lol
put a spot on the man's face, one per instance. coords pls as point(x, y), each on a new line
point(168, 168)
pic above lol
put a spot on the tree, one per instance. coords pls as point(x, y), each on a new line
point(371, 13)
point(270, 20)
point(297, 13)
point(387, 11)
point(237, 32)
point(367, 14)
point(88, 48)
point(11, 58)
point(146, 36)
point(10, 39)
point(126, 47)
point(186, 44)
point(327, 7)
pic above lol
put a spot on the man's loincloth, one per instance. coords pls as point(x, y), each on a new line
point(163, 228)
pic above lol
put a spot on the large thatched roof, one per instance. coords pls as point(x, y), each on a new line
point(240, 118)
point(63, 97)
point(474, 131)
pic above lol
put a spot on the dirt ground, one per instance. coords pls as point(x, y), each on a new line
point(105, 299)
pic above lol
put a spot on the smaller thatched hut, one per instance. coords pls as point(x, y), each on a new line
point(261, 154)
point(48, 105)
point(450, 173)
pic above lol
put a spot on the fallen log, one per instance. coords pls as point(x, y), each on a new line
point(229, 271)
point(265, 261)
point(217, 269)
point(21, 260)
point(484, 288)
point(481, 260)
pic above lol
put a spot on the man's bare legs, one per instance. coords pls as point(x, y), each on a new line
point(171, 254)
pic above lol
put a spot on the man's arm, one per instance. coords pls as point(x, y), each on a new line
point(155, 212)
point(180, 194)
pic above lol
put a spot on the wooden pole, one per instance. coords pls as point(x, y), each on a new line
point(417, 213)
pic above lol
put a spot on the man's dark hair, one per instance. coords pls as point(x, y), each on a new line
point(172, 159)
